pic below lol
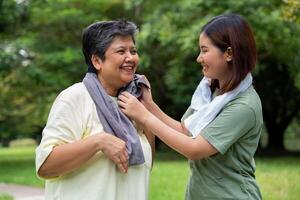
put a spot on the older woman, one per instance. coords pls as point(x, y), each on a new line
point(89, 149)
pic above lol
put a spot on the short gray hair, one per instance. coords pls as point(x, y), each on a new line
point(97, 37)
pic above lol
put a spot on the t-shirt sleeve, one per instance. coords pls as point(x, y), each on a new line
point(230, 125)
point(64, 125)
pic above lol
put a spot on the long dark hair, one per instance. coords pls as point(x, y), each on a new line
point(232, 30)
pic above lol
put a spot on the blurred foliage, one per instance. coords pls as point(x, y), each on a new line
point(291, 11)
point(40, 54)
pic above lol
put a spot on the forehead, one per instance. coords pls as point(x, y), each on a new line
point(120, 41)
point(204, 40)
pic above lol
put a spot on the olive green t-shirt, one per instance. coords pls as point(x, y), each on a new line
point(235, 133)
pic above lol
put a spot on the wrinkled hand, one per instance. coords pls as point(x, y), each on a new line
point(115, 149)
point(131, 106)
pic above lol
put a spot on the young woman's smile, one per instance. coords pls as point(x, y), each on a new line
point(214, 62)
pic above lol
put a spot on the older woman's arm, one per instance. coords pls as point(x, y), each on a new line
point(67, 157)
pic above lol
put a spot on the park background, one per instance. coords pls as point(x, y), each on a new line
point(40, 55)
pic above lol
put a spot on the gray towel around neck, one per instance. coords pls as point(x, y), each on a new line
point(113, 120)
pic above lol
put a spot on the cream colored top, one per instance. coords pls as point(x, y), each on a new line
point(73, 116)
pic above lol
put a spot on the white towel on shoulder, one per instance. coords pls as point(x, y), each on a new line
point(206, 108)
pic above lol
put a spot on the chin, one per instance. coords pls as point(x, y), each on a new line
point(208, 75)
point(127, 79)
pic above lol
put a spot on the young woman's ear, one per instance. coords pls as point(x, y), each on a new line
point(97, 62)
point(229, 54)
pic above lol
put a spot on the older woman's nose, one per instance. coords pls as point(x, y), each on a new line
point(129, 56)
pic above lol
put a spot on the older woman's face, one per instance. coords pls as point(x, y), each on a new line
point(120, 63)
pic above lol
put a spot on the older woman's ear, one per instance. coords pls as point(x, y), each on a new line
point(97, 62)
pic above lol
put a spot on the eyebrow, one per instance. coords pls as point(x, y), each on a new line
point(202, 46)
point(123, 47)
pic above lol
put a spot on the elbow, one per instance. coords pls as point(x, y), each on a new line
point(42, 173)
point(195, 153)
point(198, 154)
point(46, 174)
point(194, 156)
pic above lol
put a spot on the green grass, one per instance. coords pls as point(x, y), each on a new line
point(5, 197)
point(169, 176)
point(17, 166)
point(278, 178)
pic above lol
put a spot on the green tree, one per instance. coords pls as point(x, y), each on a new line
point(40, 54)
point(169, 46)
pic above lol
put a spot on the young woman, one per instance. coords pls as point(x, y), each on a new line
point(220, 130)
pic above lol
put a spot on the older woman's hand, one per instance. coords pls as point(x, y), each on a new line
point(131, 106)
point(115, 149)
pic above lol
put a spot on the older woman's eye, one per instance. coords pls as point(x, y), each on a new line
point(121, 51)
point(134, 52)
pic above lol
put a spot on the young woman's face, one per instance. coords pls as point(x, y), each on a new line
point(212, 59)
point(120, 63)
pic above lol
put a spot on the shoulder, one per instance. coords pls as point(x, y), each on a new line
point(74, 97)
point(249, 99)
point(246, 104)
point(74, 92)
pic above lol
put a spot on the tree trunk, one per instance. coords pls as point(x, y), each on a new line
point(5, 142)
point(275, 141)
point(280, 102)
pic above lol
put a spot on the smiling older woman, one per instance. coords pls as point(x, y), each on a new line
point(90, 149)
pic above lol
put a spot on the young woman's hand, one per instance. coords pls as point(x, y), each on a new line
point(146, 99)
point(131, 106)
point(147, 96)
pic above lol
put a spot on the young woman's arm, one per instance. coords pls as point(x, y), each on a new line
point(191, 148)
point(174, 124)
point(155, 110)
point(67, 157)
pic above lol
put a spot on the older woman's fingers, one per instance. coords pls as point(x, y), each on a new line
point(121, 168)
point(123, 159)
point(124, 162)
